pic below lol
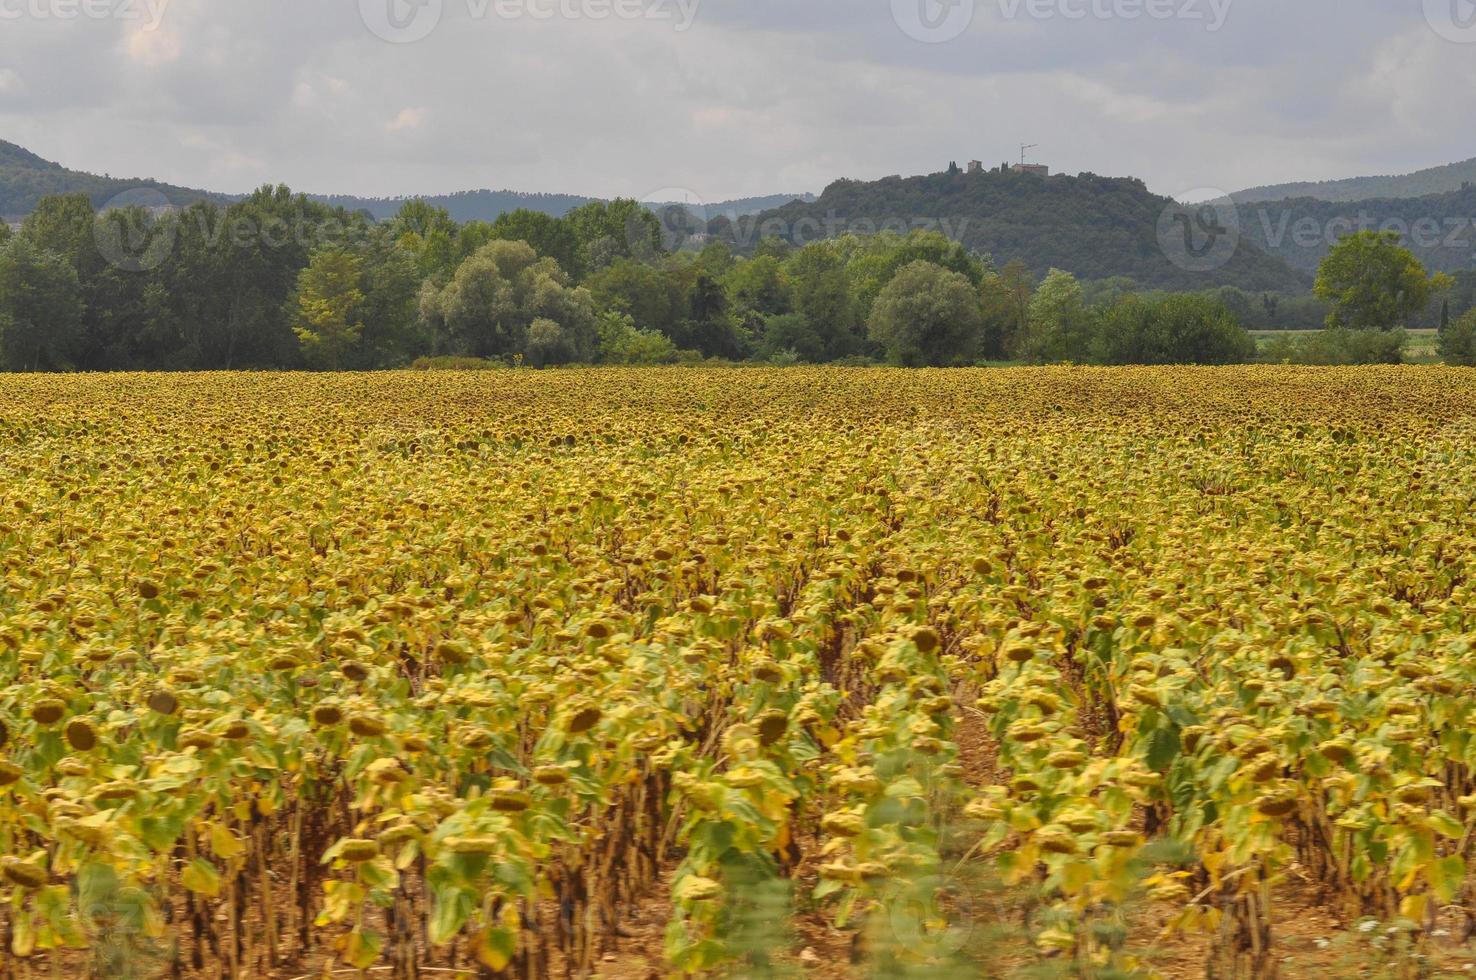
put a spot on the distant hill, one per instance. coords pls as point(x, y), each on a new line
point(486, 205)
point(1435, 180)
point(1439, 228)
point(25, 178)
point(1093, 227)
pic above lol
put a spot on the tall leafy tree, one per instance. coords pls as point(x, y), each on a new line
point(41, 308)
point(1005, 300)
point(759, 289)
point(708, 326)
point(927, 315)
point(429, 233)
point(654, 296)
point(612, 230)
point(1457, 342)
point(1373, 283)
point(551, 237)
point(328, 298)
point(63, 225)
point(491, 303)
point(1059, 322)
point(874, 259)
point(822, 295)
point(392, 335)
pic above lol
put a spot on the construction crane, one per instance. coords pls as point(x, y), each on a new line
point(1023, 148)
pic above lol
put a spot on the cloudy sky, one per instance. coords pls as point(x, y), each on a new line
point(733, 97)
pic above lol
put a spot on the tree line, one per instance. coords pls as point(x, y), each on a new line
point(277, 280)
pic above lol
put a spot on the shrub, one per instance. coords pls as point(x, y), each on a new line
point(1457, 343)
point(1174, 329)
point(622, 342)
point(456, 364)
point(1338, 346)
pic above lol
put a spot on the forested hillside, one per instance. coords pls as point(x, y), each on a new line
point(1439, 228)
point(1093, 227)
point(25, 179)
point(487, 205)
point(1434, 180)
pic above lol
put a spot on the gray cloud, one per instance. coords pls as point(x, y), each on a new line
point(757, 96)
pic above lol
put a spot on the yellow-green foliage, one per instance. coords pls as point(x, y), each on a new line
point(404, 659)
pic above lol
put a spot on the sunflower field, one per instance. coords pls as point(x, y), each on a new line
point(966, 673)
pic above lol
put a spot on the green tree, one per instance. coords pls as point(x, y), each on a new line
point(428, 233)
point(1060, 325)
point(622, 342)
point(927, 315)
point(759, 286)
point(1373, 283)
point(391, 281)
point(708, 326)
point(872, 260)
point(551, 237)
point(823, 296)
point(1457, 342)
point(41, 309)
point(773, 247)
point(611, 230)
point(654, 296)
point(63, 225)
point(473, 235)
point(328, 298)
point(490, 305)
point(1005, 300)
point(1172, 329)
point(758, 290)
point(791, 333)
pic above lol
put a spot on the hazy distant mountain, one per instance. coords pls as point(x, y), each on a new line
point(487, 205)
point(1439, 228)
point(25, 178)
point(1093, 227)
point(1435, 180)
